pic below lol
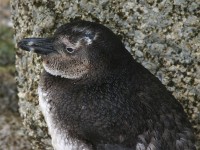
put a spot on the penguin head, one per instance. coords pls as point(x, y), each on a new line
point(78, 49)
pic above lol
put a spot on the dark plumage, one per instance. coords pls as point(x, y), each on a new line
point(94, 95)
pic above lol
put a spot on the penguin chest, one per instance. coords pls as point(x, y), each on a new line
point(60, 138)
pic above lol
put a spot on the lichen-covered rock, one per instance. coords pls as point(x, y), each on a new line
point(162, 35)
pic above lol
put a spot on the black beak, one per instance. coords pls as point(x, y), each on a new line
point(38, 45)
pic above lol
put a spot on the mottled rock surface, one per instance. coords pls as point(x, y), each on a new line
point(12, 136)
point(163, 35)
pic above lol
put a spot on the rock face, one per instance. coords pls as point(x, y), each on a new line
point(12, 137)
point(162, 35)
point(11, 134)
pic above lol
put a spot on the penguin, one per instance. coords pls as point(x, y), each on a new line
point(95, 96)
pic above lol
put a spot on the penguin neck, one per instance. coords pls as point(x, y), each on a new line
point(104, 77)
point(120, 73)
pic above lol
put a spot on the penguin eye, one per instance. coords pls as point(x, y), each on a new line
point(70, 50)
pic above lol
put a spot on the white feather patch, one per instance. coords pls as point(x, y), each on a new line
point(60, 140)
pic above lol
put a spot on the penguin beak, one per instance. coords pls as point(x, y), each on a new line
point(38, 45)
